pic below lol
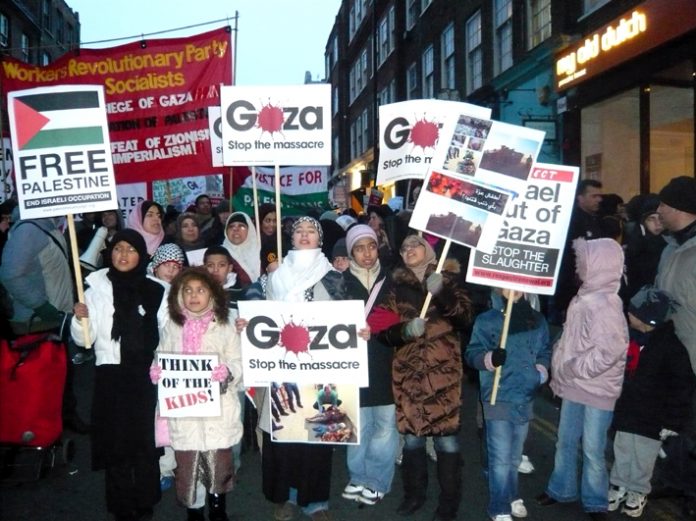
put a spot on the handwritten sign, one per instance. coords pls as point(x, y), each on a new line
point(185, 388)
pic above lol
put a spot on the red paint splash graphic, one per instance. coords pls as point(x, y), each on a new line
point(424, 134)
point(271, 119)
point(294, 338)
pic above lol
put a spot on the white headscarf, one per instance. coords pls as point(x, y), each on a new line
point(247, 254)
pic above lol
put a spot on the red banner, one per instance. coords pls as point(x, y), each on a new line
point(157, 98)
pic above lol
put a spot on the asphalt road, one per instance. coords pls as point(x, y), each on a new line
point(72, 492)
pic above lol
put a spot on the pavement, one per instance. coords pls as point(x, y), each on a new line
point(70, 491)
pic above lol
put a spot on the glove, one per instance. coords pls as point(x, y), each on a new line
point(220, 373)
point(414, 328)
point(48, 313)
point(434, 283)
point(666, 433)
point(498, 357)
point(155, 373)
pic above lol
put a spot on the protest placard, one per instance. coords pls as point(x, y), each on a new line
point(157, 94)
point(301, 188)
point(527, 255)
point(323, 413)
point(185, 388)
point(61, 151)
point(276, 125)
point(215, 127)
point(409, 132)
point(303, 342)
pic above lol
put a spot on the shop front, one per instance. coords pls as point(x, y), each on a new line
point(627, 95)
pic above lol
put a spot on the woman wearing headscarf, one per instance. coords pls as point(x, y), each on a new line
point(427, 371)
point(297, 473)
point(269, 238)
point(188, 234)
point(124, 307)
point(146, 219)
point(243, 244)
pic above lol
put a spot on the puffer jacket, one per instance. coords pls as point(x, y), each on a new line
point(218, 432)
point(427, 371)
point(588, 361)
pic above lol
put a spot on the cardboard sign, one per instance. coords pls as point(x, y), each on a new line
point(62, 155)
point(303, 342)
point(286, 125)
point(185, 388)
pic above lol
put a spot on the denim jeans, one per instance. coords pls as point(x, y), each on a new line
point(505, 441)
point(442, 443)
point(371, 463)
point(578, 422)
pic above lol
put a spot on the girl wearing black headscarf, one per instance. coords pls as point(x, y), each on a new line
point(123, 306)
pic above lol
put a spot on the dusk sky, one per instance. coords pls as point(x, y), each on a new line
point(277, 41)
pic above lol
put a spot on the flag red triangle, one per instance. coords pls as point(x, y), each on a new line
point(28, 122)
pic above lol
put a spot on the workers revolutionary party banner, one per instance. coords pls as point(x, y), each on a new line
point(157, 95)
point(527, 255)
point(409, 132)
point(301, 188)
point(61, 151)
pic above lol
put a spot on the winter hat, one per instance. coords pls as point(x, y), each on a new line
point(649, 206)
point(357, 232)
point(313, 222)
point(651, 306)
point(345, 221)
point(169, 252)
point(339, 249)
point(680, 194)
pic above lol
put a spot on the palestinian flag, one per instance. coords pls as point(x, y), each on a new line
point(58, 119)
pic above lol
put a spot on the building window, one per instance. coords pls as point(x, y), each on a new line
point(4, 31)
point(539, 21)
point(45, 59)
point(356, 15)
point(447, 53)
point(335, 151)
point(424, 5)
point(24, 48)
point(411, 13)
point(358, 75)
point(474, 53)
point(385, 44)
point(593, 5)
point(502, 10)
point(46, 15)
point(428, 73)
point(70, 34)
point(334, 100)
point(412, 82)
point(353, 141)
point(365, 130)
point(331, 56)
point(60, 27)
point(387, 94)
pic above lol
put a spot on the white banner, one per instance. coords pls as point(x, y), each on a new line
point(214, 125)
point(409, 132)
point(303, 342)
point(61, 148)
point(276, 125)
point(129, 195)
point(185, 388)
point(527, 256)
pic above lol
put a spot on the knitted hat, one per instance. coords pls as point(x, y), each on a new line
point(651, 306)
point(357, 232)
point(313, 222)
point(169, 252)
point(680, 194)
point(339, 249)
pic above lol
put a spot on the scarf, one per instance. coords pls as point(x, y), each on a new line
point(430, 258)
point(247, 254)
point(300, 270)
point(135, 222)
point(367, 277)
point(195, 326)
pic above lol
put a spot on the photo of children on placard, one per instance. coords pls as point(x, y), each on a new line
point(315, 413)
point(463, 155)
point(510, 155)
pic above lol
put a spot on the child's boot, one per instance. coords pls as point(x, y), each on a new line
point(217, 507)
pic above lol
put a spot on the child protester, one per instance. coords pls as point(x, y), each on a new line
point(524, 368)
point(655, 400)
point(200, 324)
point(218, 262)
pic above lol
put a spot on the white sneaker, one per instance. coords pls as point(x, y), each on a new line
point(518, 508)
point(635, 504)
point(526, 466)
point(502, 517)
point(352, 491)
point(370, 497)
point(617, 495)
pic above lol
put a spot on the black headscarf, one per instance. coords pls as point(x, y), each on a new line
point(136, 302)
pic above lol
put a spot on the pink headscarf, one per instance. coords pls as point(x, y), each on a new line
point(135, 222)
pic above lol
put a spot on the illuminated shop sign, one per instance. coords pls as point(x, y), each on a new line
point(647, 26)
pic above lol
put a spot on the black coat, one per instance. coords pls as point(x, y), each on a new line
point(658, 394)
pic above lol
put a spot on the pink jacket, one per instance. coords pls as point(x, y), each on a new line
point(588, 361)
